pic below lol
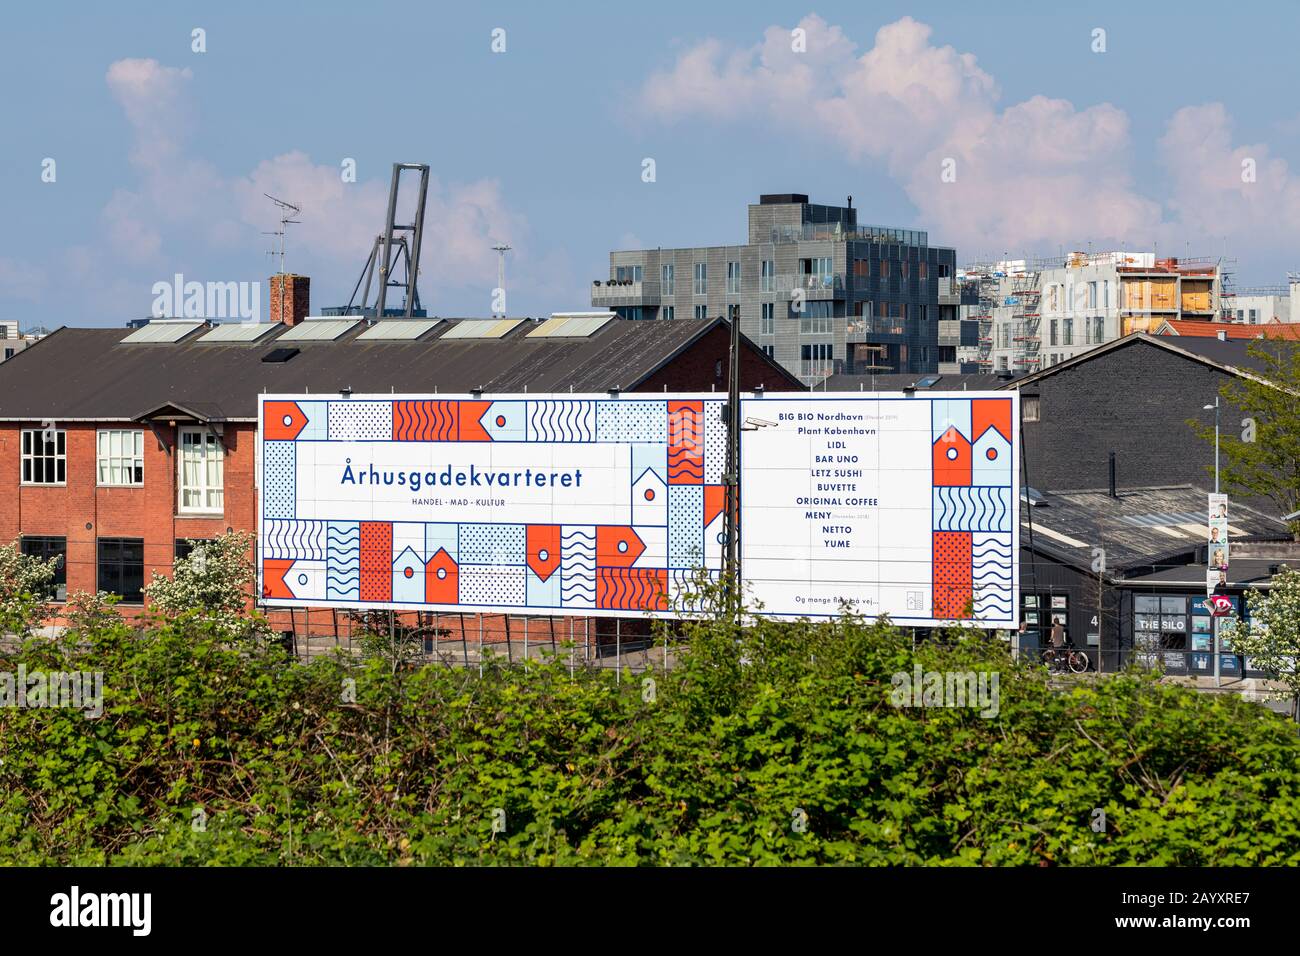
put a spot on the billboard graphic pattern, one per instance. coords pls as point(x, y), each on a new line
point(973, 508)
point(668, 513)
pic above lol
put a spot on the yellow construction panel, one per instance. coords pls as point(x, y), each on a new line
point(1150, 295)
point(1196, 300)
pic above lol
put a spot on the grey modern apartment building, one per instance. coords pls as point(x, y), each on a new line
point(818, 292)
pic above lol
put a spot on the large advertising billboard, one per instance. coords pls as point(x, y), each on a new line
point(531, 504)
point(896, 504)
point(614, 505)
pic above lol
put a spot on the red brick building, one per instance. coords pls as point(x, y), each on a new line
point(117, 446)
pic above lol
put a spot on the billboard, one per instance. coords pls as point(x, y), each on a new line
point(896, 504)
point(594, 505)
point(531, 504)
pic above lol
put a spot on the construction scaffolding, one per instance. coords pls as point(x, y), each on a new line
point(1025, 300)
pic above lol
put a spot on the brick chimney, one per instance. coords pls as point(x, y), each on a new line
point(290, 296)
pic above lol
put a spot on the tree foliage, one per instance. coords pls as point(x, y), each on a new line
point(213, 582)
point(347, 761)
point(1271, 635)
point(24, 589)
point(1260, 455)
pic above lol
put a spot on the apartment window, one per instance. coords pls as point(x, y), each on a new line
point(1254, 316)
point(769, 276)
point(1105, 293)
point(1092, 295)
point(907, 270)
point(769, 319)
point(666, 312)
point(4, 331)
point(922, 270)
point(770, 351)
point(1030, 407)
point(45, 547)
point(666, 273)
point(44, 456)
point(1051, 333)
point(733, 278)
point(701, 278)
point(884, 268)
point(9, 352)
point(627, 273)
point(1241, 315)
point(121, 568)
point(817, 351)
point(924, 311)
point(701, 311)
point(861, 268)
point(902, 311)
point(1098, 329)
point(1067, 332)
point(1002, 363)
point(202, 470)
point(120, 456)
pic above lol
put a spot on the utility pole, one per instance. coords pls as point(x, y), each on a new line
point(501, 248)
point(731, 480)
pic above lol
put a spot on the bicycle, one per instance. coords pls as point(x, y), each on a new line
point(1061, 659)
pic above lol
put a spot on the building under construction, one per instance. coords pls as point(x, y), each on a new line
point(1033, 313)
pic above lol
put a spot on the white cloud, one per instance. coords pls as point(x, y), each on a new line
point(180, 198)
point(1031, 174)
point(1218, 187)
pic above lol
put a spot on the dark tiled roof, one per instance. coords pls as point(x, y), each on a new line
point(1140, 528)
point(1242, 572)
point(893, 382)
point(90, 374)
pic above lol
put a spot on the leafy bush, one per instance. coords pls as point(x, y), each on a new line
point(24, 589)
point(772, 744)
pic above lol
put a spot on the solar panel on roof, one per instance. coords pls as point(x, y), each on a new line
point(397, 330)
point(318, 330)
point(236, 332)
point(163, 332)
point(480, 328)
point(571, 326)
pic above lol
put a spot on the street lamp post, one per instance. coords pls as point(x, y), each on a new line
point(1218, 677)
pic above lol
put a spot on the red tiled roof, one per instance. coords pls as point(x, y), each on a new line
point(1272, 330)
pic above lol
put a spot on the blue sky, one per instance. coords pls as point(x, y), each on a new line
point(162, 153)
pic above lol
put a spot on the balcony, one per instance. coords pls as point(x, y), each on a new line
point(861, 328)
point(816, 369)
point(838, 232)
point(813, 286)
point(949, 291)
point(626, 292)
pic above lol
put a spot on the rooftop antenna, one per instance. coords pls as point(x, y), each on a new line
point(287, 211)
point(501, 248)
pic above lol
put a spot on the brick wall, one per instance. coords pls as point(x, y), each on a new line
point(82, 511)
point(294, 305)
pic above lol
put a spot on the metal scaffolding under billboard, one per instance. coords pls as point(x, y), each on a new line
point(594, 505)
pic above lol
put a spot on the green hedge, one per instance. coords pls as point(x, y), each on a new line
point(778, 744)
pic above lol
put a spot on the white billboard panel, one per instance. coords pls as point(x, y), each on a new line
point(543, 504)
point(905, 505)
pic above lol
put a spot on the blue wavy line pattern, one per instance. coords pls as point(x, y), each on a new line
point(992, 571)
point(578, 567)
point(562, 421)
point(299, 540)
point(343, 561)
point(972, 508)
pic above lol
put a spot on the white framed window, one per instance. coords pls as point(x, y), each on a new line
point(44, 456)
point(666, 272)
point(769, 276)
point(666, 312)
point(120, 456)
point(201, 467)
point(701, 311)
point(701, 278)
